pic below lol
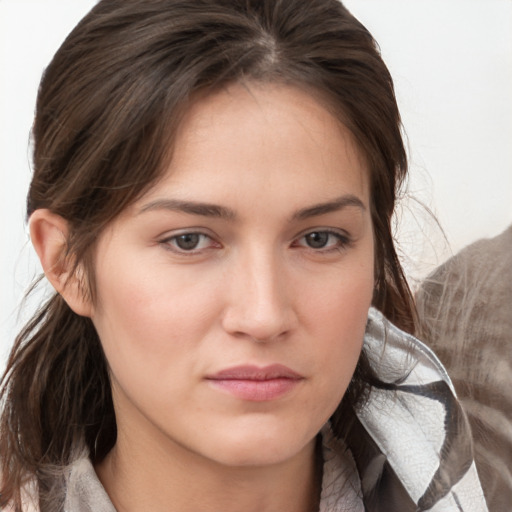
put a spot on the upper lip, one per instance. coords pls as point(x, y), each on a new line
point(252, 372)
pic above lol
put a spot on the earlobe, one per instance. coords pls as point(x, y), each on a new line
point(49, 233)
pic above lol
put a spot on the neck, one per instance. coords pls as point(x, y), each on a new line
point(157, 475)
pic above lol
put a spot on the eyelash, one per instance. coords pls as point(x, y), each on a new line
point(343, 242)
point(170, 242)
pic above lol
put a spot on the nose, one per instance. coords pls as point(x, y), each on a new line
point(260, 305)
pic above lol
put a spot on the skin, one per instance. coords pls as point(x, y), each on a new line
point(258, 288)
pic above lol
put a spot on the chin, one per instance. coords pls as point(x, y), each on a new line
point(260, 445)
point(258, 455)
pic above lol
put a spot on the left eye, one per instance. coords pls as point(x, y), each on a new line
point(322, 240)
point(188, 242)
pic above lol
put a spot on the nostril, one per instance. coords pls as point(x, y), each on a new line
point(268, 339)
point(259, 306)
point(257, 328)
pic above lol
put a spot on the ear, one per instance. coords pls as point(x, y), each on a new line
point(49, 234)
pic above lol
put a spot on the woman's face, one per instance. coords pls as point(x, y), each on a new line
point(232, 298)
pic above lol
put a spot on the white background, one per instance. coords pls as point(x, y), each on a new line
point(452, 65)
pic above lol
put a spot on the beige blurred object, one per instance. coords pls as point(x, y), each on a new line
point(465, 312)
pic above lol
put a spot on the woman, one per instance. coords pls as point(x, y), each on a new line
point(211, 200)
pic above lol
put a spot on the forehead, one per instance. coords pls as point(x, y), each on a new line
point(268, 138)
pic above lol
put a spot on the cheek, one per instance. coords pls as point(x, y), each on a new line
point(337, 315)
point(340, 330)
point(149, 319)
point(339, 302)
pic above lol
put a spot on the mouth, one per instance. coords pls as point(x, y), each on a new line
point(256, 384)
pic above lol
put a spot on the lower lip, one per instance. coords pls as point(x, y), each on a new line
point(256, 390)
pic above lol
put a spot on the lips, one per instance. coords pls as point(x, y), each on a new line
point(256, 384)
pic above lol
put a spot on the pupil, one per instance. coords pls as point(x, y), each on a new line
point(188, 241)
point(317, 240)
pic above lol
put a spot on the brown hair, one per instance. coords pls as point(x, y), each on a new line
point(108, 107)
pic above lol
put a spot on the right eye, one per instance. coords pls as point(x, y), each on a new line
point(189, 242)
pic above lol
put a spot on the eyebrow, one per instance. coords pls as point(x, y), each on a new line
point(213, 210)
point(190, 207)
point(332, 206)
